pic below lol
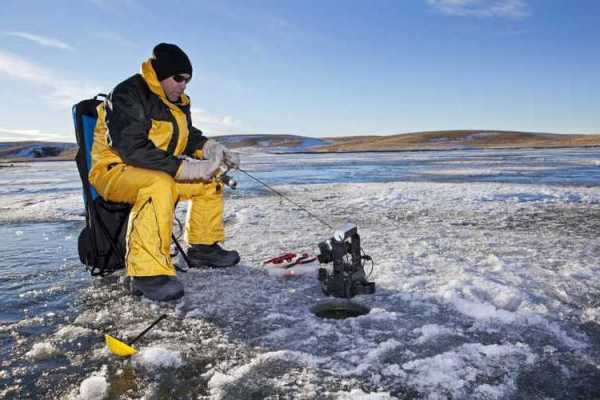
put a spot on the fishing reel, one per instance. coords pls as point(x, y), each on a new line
point(348, 278)
point(222, 177)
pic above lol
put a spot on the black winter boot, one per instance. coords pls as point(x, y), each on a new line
point(158, 288)
point(212, 256)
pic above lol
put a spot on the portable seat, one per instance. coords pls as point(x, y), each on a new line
point(101, 243)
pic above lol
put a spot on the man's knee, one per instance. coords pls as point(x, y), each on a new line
point(162, 185)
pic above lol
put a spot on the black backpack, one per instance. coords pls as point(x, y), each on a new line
point(101, 243)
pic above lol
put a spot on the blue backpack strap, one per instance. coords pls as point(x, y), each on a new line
point(89, 124)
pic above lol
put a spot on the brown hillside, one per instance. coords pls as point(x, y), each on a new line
point(444, 140)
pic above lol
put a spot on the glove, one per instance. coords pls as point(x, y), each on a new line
point(216, 152)
point(232, 160)
point(195, 170)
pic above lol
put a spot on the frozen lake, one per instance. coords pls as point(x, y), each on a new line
point(486, 266)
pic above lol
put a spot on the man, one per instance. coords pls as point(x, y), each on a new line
point(147, 153)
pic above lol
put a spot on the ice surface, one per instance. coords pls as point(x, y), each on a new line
point(485, 290)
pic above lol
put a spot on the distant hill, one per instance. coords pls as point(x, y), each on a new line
point(56, 151)
point(437, 140)
point(31, 150)
point(459, 139)
point(271, 143)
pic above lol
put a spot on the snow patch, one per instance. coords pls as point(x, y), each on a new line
point(455, 373)
point(71, 332)
point(591, 314)
point(158, 357)
point(358, 394)
point(494, 263)
point(42, 351)
point(480, 310)
point(93, 388)
point(373, 357)
point(431, 331)
point(94, 318)
point(219, 381)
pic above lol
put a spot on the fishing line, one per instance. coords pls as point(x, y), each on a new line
point(287, 198)
point(364, 255)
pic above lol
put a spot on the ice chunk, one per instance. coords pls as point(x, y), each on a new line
point(591, 314)
point(482, 311)
point(42, 351)
point(93, 388)
point(358, 394)
point(158, 357)
point(72, 331)
point(495, 263)
point(431, 331)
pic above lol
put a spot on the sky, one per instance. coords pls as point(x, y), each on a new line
point(317, 68)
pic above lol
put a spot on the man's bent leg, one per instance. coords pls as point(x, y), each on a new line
point(204, 221)
point(153, 195)
point(204, 225)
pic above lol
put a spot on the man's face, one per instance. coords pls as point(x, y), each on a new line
point(174, 86)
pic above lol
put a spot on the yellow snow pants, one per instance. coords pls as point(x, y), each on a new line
point(153, 195)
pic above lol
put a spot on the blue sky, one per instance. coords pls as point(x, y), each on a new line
point(314, 68)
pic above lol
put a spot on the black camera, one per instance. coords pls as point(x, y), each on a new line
point(348, 278)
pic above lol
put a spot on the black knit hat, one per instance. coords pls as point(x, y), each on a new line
point(168, 60)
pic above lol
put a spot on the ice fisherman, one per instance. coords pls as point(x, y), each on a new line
point(147, 153)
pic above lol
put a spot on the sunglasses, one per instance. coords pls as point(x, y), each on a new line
point(180, 78)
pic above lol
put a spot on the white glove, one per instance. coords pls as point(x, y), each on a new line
point(194, 170)
point(232, 159)
point(215, 151)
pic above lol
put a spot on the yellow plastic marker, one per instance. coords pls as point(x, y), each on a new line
point(119, 348)
point(123, 349)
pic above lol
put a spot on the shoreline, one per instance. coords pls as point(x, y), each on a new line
point(418, 150)
point(4, 163)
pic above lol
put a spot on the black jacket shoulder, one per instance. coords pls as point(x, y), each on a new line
point(131, 106)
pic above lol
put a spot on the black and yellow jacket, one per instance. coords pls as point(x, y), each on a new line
point(139, 126)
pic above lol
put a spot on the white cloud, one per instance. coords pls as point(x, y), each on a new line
point(41, 40)
point(116, 38)
point(13, 135)
point(213, 124)
point(56, 91)
point(482, 8)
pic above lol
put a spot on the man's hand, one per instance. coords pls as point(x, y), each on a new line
point(216, 152)
point(196, 170)
point(232, 160)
